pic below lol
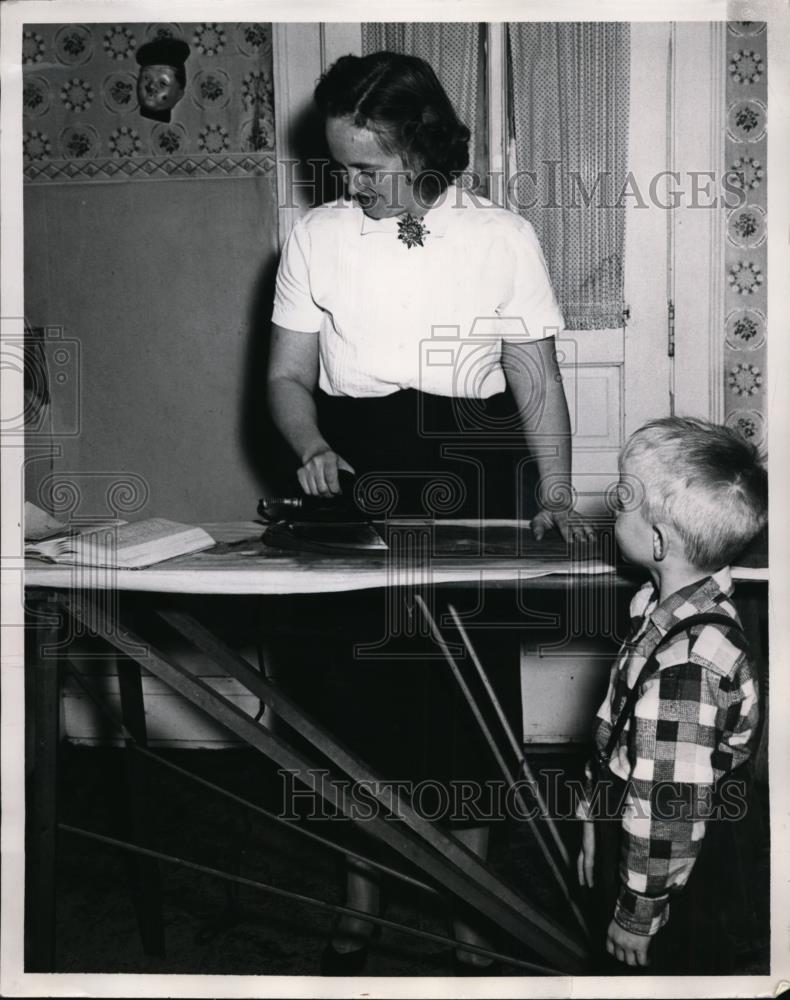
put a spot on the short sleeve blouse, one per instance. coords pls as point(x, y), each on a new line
point(432, 317)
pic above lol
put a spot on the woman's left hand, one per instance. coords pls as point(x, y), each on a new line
point(572, 527)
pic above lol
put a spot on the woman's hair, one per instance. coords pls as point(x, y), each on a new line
point(400, 99)
point(703, 479)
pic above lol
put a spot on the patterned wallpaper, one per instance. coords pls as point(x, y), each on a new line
point(81, 116)
point(746, 246)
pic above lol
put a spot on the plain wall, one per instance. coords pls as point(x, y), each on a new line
point(166, 288)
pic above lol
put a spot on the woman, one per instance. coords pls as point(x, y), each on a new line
point(410, 314)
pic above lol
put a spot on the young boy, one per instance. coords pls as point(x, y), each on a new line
point(665, 840)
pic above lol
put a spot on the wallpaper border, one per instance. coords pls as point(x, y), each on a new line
point(151, 168)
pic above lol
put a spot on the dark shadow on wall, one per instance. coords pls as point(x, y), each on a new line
point(271, 460)
point(313, 177)
point(308, 180)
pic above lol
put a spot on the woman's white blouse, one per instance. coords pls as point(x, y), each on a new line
point(429, 317)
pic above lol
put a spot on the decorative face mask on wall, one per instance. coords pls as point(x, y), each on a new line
point(162, 79)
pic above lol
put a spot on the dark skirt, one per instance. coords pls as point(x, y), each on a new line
point(416, 443)
point(713, 922)
point(402, 711)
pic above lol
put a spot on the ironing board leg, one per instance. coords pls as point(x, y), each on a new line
point(144, 874)
point(415, 838)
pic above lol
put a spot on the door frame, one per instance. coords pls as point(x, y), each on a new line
point(697, 241)
point(301, 52)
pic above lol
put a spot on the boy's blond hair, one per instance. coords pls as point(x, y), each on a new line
point(704, 480)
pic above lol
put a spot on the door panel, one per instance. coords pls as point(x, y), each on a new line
point(591, 362)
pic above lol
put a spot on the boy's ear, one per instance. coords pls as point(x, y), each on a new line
point(660, 542)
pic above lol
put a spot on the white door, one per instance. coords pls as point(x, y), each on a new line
point(664, 359)
point(667, 358)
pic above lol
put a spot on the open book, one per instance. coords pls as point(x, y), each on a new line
point(123, 546)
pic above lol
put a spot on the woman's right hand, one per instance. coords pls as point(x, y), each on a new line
point(318, 476)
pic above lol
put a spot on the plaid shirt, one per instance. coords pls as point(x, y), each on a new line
point(695, 720)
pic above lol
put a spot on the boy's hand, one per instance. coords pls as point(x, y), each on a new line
point(625, 946)
point(586, 860)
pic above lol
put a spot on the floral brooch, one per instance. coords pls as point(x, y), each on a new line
point(411, 231)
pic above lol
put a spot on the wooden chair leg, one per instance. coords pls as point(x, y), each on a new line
point(144, 874)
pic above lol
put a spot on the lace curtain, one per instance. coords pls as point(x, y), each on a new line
point(570, 100)
point(454, 52)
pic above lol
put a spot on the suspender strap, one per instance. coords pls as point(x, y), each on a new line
point(703, 618)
